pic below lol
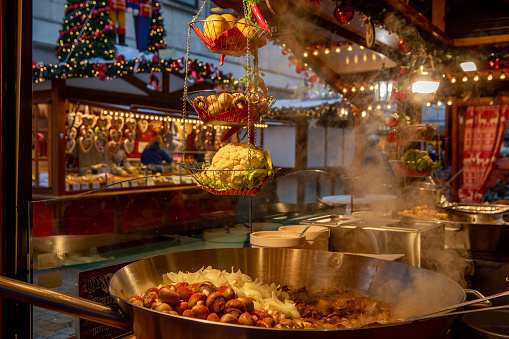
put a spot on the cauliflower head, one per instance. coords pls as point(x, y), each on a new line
point(238, 166)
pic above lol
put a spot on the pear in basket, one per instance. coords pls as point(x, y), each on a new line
point(231, 20)
point(214, 25)
point(247, 28)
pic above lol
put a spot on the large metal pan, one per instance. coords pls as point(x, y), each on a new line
point(410, 289)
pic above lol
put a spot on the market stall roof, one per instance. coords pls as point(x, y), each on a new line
point(407, 35)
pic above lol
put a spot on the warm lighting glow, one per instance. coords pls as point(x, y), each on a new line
point(364, 113)
point(305, 54)
point(468, 66)
point(327, 51)
point(344, 90)
point(362, 88)
point(453, 80)
point(315, 52)
point(425, 86)
point(502, 75)
point(490, 76)
point(378, 107)
point(464, 79)
point(350, 47)
point(370, 108)
point(449, 102)
point(428, 104)
point(338, 49)
point(389, 106)
point(353, 89)
point(439, 103)
point(476, 77)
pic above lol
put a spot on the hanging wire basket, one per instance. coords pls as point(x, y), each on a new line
point(408, 172)
point(222, 107)
point(229, 182)
point(229, 37)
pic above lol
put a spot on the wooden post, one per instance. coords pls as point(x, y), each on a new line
point(56, 137)
point(455, 149)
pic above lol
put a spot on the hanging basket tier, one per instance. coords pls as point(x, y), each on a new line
point(229, 182)
point(230, 108)
point(233, 41)
point(407, 172)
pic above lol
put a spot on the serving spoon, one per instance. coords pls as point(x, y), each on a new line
point(307, 227)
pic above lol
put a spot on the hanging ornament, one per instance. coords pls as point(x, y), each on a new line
point(343, 14)
point(405, 47)
point(143, 125)
point(154, 83)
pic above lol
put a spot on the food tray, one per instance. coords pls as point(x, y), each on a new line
point(228, 182)
point(243, 109)
point(479, 209)
point(232, 42)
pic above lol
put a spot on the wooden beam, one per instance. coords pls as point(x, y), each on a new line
point(419, 20)
point(141, 85)
point(438, 14)
point(482, 40)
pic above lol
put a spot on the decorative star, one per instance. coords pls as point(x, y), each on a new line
point(312, 123)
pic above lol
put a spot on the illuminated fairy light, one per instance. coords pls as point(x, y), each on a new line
point(428, 104)
point(502, 76)
point(338, 49)
point(464, 79)
point(476, 77)
point(449, 102)
point(490, 76)
point(453, 80)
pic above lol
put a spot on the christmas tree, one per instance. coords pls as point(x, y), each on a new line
point(87, 32)
point(157, 32)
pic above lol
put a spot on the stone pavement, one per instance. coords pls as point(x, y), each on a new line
point(49, 324)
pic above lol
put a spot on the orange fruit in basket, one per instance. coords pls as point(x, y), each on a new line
point(232, 20)
point(247, 28)
point(214, 25)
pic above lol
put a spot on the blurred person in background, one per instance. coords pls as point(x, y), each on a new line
point(153, 155)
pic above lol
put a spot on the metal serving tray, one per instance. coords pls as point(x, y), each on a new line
point(419, 241)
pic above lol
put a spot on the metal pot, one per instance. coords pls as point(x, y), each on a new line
point(487, 325)
point(425, 193)
point(412, 290)
point(478, 213)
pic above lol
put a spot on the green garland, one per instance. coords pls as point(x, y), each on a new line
point(113, 70)
point(423, 42)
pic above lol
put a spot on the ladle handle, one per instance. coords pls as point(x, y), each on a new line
point(466, 303)
point(63, 303)
point(458, 173)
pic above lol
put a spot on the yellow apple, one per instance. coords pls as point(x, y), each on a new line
point(214, 25)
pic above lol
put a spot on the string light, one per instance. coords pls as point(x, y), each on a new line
point(490, 76)
point(350, 47)
point(502, 75)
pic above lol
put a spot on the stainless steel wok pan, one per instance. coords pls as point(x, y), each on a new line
point(410, 289)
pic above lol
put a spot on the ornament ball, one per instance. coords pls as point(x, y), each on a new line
point(343, 14)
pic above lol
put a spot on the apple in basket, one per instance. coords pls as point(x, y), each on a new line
point(214, 25)
point(247, 28)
